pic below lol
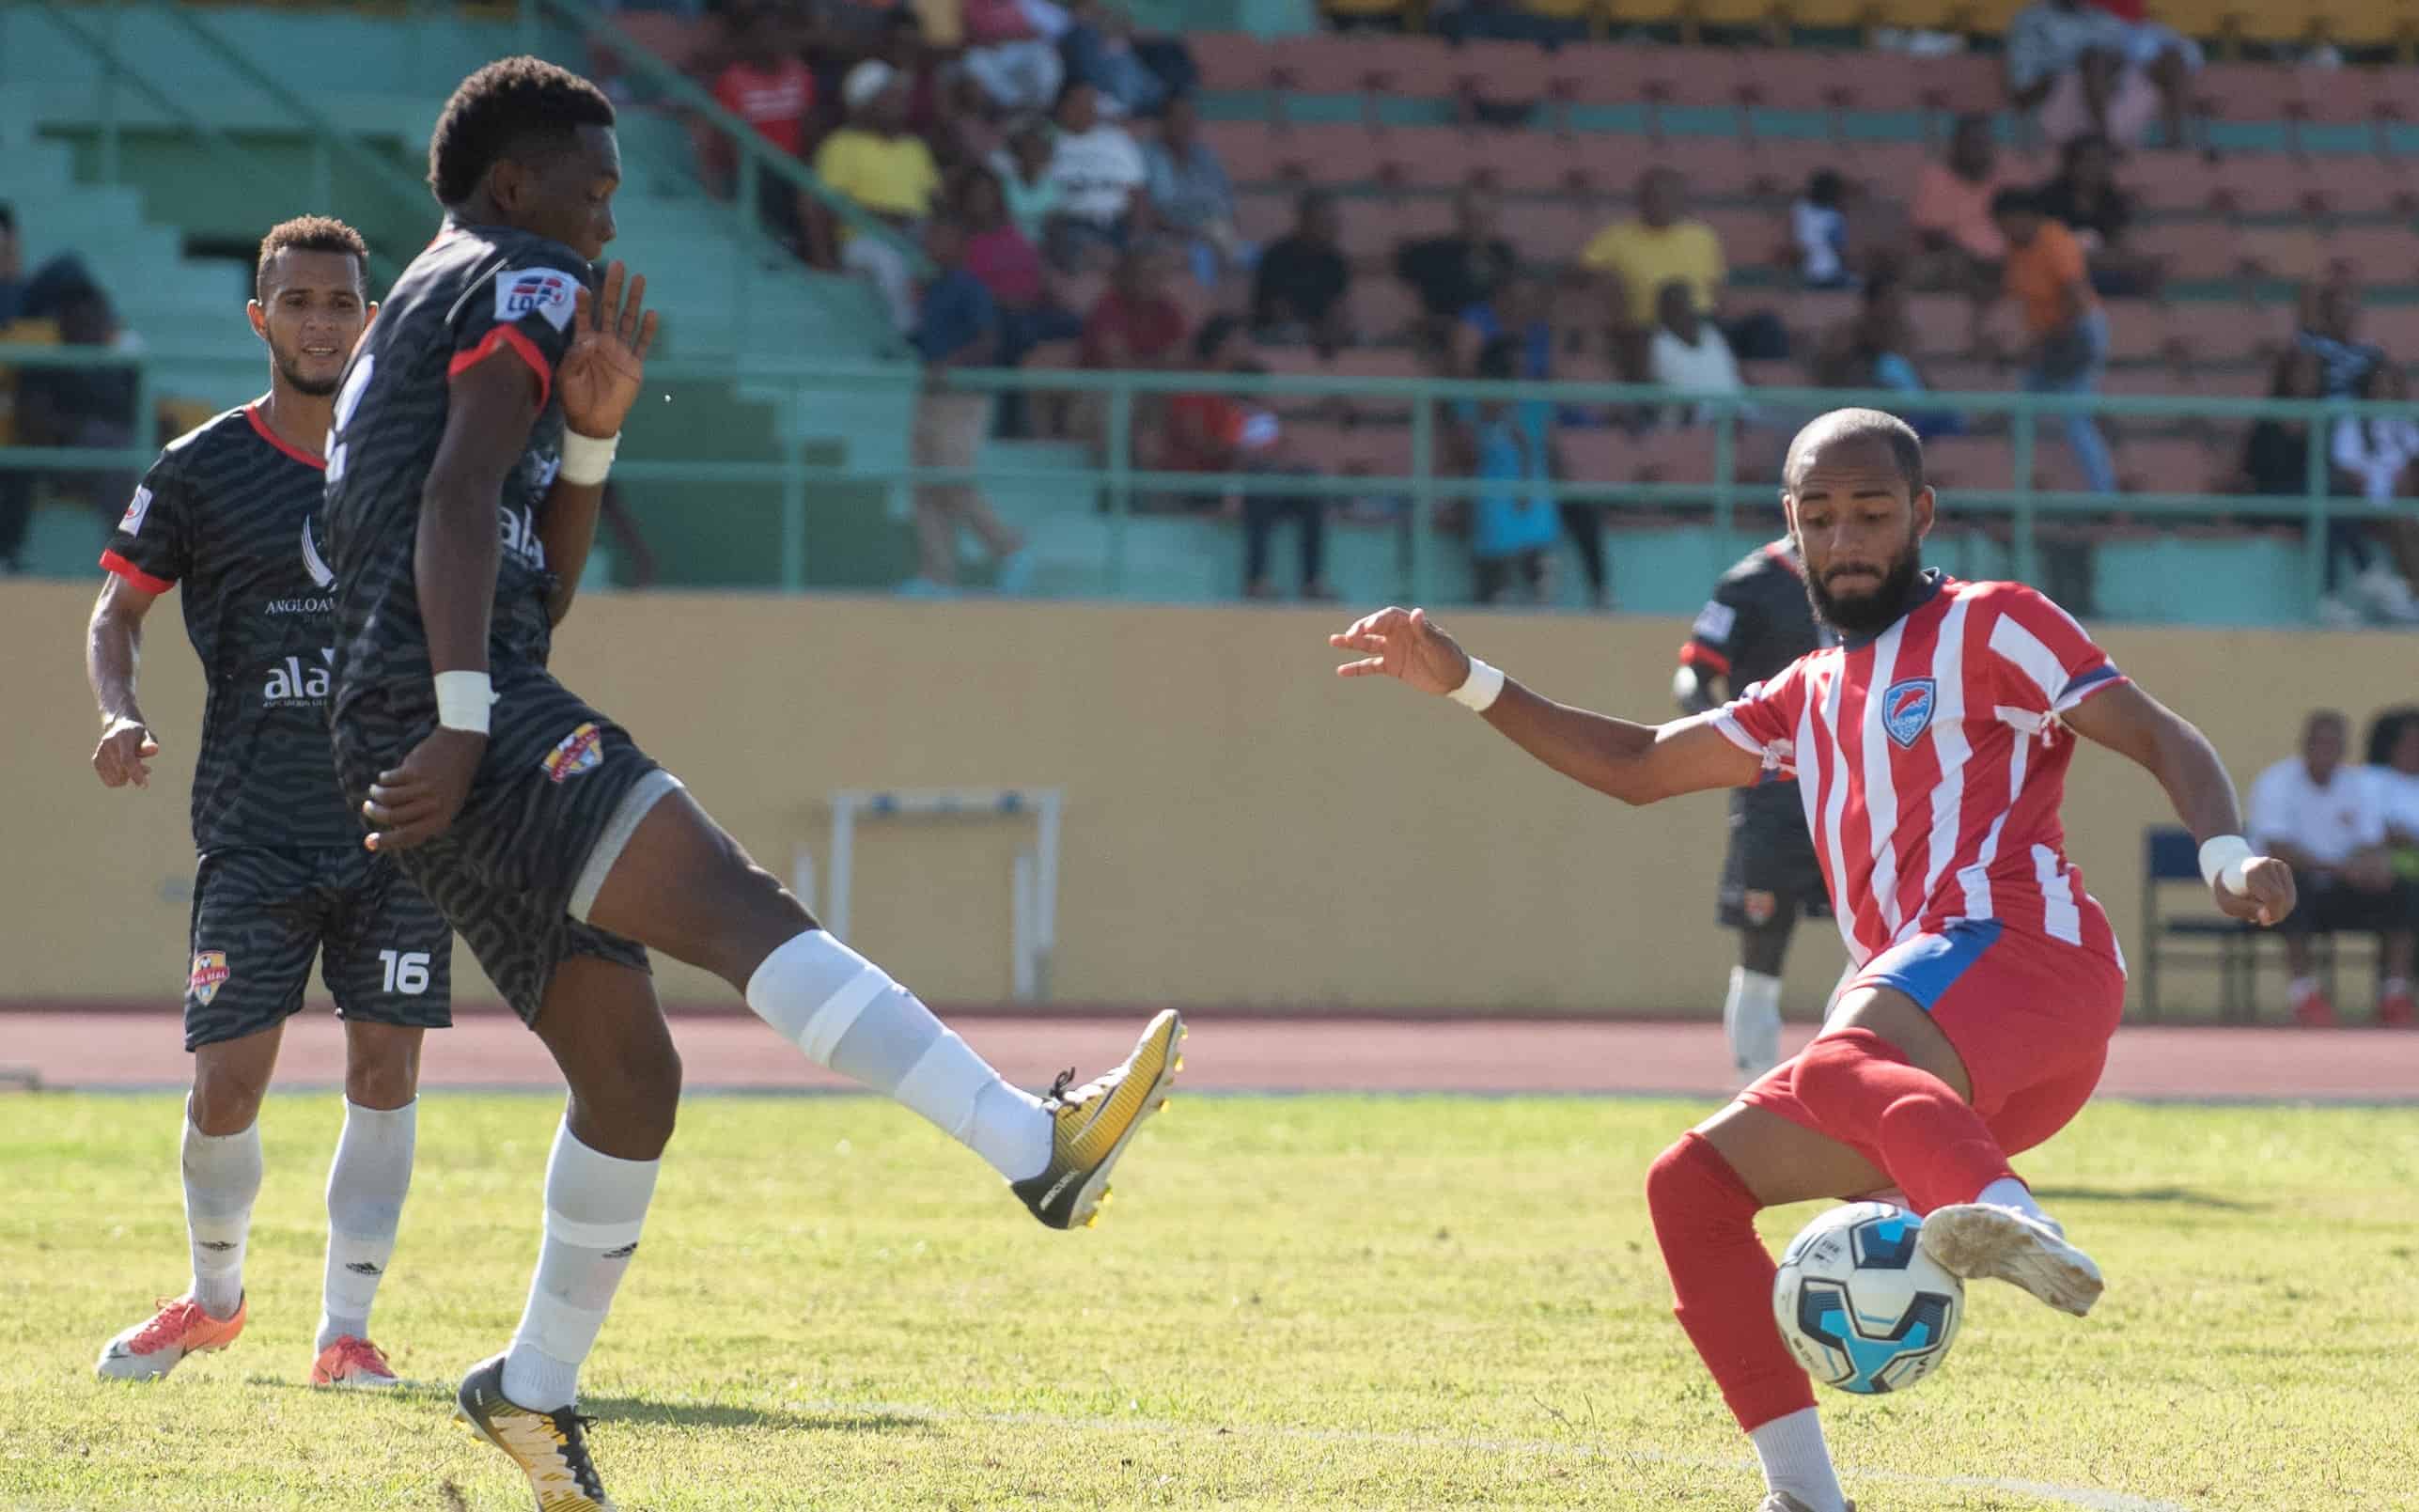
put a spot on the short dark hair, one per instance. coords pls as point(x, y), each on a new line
point(309, 233)
point(1500, 358)
point(2386, 729)
point(1213, 334)
point(2326, 716)
point(1825, 186)
point(507, 107)
point(2015, 200)
point(1906, 450)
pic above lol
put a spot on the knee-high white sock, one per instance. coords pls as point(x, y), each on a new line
point(596, 1206)
point(1796, 1461)
point(845, 1012)
point(366, 1186)
point(1751, 1017)
point(222, 1177)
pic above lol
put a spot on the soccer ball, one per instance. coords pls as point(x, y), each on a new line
point(1861, 1306)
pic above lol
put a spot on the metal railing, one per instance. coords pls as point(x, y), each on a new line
point(1111, 487)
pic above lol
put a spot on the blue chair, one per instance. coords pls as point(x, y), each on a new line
point(2204, 937)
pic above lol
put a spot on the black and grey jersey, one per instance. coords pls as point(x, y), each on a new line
point(478, 293)
point(1757, 623)
point(230, 516)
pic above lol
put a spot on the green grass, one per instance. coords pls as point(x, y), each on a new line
point(1319, 1301)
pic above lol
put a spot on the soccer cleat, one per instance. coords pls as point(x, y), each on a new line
point(551, 1448)
point(353, 1363)
point(1090, 1127)
point(2398, 1009)
point(1783, 1502)
point(1979, 1239)
point(2312, 1010)
point(151, 1348)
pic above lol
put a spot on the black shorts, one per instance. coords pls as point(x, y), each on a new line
point(553, 786)
point(1771, 877)
point(2329, 907)
point(259, 916)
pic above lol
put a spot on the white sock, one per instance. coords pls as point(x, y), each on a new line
point(1750, 1016)
point(366, 1186)
point(2393, 985)
point(2303, 985)
point(596, 1206)
point(846, 1013)
point(1796, 1461)
point(2009, 1193)
point(222, 1177)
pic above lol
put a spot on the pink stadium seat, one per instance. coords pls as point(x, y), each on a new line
point(1749, 238)
point(1673, 456)
point(1264, 215)
point(1383, 307)
point(2334, 96)
point(1968, 462)
point(1959, 375)
point(1408, 68)
point(1772, 78)
point(2235, 380)
point(1887, 169)
point(1372, 227)
point(1538, 163)
point(1549, 231)
point(2193, 250)
point(1942, 323)
point(1616, 73)
point(1711, 167)
point(2247, 91)
point(1329, 152)
point(1597, 455)
point(1366, 450)
point(1504, 71)
point(2224, 332)
point(1778, 168)
point(2167, 182)
point(1965, 81)
point(2369, 186)
point(1376, 362)
point(1429, 157)
point(1878, 81)
point(1328, 63)
point(2138, 329)
point(2282, 251)
point(2394, 327)
point(2148, 378)
point(1807, 312)
point(1229, 60)
point(1249, 149)
point(2170, 464)
point(2376, 254)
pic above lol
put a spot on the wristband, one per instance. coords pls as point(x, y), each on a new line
point(1479, 691)
point(2223, 859)
point(586, 459)
point(462, 700)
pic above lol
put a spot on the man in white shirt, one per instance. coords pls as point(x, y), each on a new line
point(2326, 821)
point(1097, 169)
point(1688, 354)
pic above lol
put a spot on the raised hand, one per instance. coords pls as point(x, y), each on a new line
point(2267, 893)
point(601, 375)
point(1407, 644)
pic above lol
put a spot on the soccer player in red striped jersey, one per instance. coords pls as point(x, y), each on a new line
point(1931, 748)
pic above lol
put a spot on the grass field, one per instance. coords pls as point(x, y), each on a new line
point(1317, 1301)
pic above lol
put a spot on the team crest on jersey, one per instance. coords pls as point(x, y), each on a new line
point(208, 975)
point(1906, 709)
point(577, 752)
point(132, 521)
point(534, 291)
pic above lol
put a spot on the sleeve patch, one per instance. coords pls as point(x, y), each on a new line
point(1714, 622)
point(132, 521)
point(524, 291)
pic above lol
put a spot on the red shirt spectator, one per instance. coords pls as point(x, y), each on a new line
point(776, 100)
point(1007, 264)
point(986, 22)
point(1136, 324)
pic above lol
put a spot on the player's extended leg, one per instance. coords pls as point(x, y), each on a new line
point(606, 1031)
point(1703, 1193)
point(1751, 1014)
point(221, 1157)
point(366, 1183)
point(681, 885)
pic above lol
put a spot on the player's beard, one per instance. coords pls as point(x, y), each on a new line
point(290, 367)
point(1870, 613)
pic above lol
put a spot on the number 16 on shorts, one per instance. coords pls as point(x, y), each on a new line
point(406, 971)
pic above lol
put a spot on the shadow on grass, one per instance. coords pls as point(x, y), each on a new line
point(2181, 1196)
point(423, 1394)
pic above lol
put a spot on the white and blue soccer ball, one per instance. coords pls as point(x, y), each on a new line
point(1861, 1306)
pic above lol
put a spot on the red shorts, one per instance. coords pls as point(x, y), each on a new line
point(2030, 1017)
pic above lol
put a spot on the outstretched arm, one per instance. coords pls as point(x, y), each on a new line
point(2134, 725)
point(1634, 763)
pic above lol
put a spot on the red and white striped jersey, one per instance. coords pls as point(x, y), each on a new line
point(1931, 761)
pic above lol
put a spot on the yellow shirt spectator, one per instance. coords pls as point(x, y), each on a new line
point(887, 175)
point(1647, 257)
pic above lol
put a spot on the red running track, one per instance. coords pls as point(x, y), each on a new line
point(732, 1051)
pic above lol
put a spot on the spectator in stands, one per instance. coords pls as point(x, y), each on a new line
point(956, 325)
point(2393, 770)
point(1688, 354)
point(2084, 71)
point(1192, 196)
point(1636, 258)
point(888, 173)
point(1452, 273)
point(1871, 349)
point(1135, 325)
point(1099, 171)
point(91, 406)
point(1012, 50)
point(1098, 49)
point(1009, 266)
point(1957, 244)
point(1229, 433)
point(1022, 168)
point(902, 45)
point(2045, 274)
point(2375, 454)
point(767, 85)
point(12, 266)
point(2087, 199)
point(1547, 23)
point(2329, 315)
point(1819, 232)
point(1521, 308)
point(1300, 288)
point(1509, 446)
point(2276, 454)
point(2327, 822)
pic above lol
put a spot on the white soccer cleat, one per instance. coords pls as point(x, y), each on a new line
point(1976, 1241)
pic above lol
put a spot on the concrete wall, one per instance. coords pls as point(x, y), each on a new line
point(1241, 827)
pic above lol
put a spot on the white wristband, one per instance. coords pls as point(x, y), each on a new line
point(1479, 691)
point(462, 700)
point(586, 459)
point(2223, 859)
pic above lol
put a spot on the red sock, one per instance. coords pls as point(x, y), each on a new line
point(1864, 1092)
point(1722, 1281)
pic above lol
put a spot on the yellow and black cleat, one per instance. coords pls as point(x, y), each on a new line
point(551, 1448)
point(1091, 1126)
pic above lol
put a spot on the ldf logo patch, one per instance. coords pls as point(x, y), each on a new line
point(208, 975)
point(1906, 709)
point(534, 291)
point(577, 752)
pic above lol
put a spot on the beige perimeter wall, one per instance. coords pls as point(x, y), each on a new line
point(1241, 827)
